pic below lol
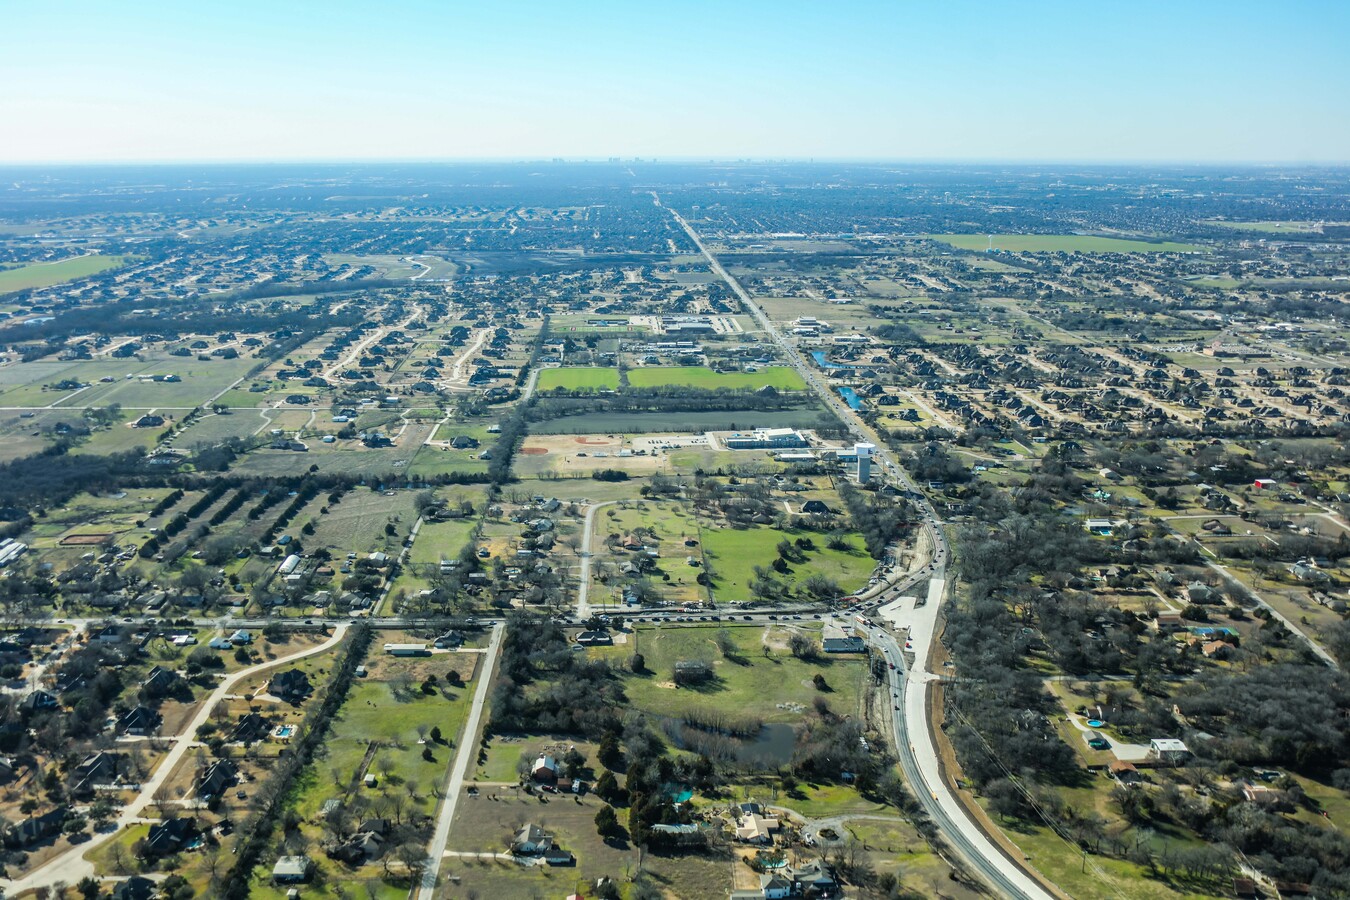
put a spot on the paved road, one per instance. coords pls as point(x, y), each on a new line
point(465, 754)
point(923, 771)
point(71, 865)
point(584, 554)
point(916, 745)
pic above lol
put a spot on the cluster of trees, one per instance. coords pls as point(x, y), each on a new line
point(544, 686)
point(881, 518)
point(53, 476)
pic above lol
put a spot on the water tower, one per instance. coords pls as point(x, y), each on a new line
point(864, 454)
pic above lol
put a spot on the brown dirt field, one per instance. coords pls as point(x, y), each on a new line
point(85, 538)
point(381, 667)
point(594, 440)
point(533, 451)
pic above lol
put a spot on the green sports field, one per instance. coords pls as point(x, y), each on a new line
point(1054, 243)
point(40, 275)
point(579, 379)
point(780, 377)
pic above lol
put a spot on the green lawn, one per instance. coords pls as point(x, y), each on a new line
point(372, 712)
point(776, 688)
point(1068, 243)
point(40, 275)
point(780, 377)
point(734, 552)
point(579, 379)
point(441, 540)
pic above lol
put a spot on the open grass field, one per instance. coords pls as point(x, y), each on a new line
point(579, 379)
point(374, 712)
point(783, 378)
point(733, 553)
point(441, 540)
point(40, 275)
point(1055, 243)
point(775, 688)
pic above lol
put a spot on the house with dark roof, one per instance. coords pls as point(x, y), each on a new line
point(134, 888)
point(96, 770)
point(39, 701)
point(292, 685)
point(36, 829)
point(159, 681)
point(215, 780)
point(250, 729)
point(141, 720)
point(169, 836)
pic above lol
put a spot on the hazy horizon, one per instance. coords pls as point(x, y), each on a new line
point(1045, 83)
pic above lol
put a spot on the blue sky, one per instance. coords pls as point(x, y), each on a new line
point(289, 79)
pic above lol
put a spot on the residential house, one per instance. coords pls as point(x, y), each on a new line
point(1169, 750)
point(37, 829)
point(215, 780)
point(813, 879)
point(169, 836)
point(95, 771)
point(250, 729)
point(756, 829)
point(134, 888)
point(530, 840)
point(291, 685)
point(159, 681)
point(141, 720)
point(545, 769)
point(291, 870)
point(39, 701)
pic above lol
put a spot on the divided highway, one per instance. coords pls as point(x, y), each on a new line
point(916, 745)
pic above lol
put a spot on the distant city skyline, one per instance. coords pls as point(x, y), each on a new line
point(1039, 82)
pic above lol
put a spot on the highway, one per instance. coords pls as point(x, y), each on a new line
point(915, 742)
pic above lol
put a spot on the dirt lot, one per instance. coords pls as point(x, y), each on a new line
point(565, 453)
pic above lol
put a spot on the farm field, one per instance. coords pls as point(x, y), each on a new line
point(781, 377)
point(38, 275)
point(1057, 243)
point(579, 379)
